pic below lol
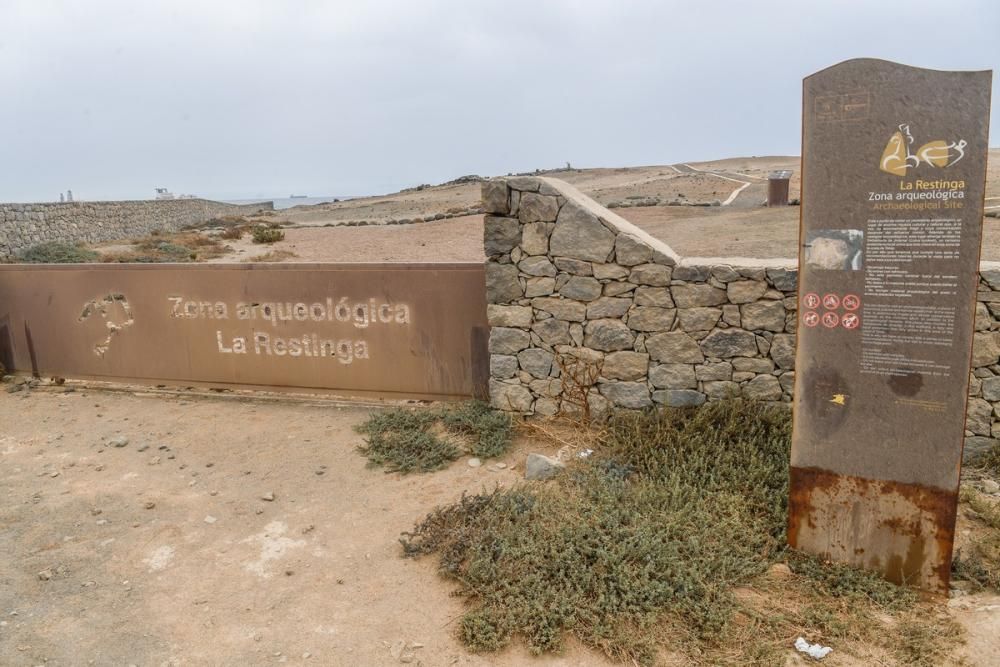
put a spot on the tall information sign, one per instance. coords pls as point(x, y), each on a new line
point(893, 180)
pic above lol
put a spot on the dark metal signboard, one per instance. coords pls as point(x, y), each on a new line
point(392, 330)
point(893, 180)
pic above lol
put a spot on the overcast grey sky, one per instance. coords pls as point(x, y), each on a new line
point(246, 98)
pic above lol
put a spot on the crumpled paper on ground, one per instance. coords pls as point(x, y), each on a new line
point(812, 650)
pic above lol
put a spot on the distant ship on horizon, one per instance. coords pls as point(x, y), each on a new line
point(298, 196)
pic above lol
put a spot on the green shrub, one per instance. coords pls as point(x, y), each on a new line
point(410, 441)
point(58, 252)
point(262, 234)
point(644, 540)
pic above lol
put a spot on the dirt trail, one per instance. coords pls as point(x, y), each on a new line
point(211, 573)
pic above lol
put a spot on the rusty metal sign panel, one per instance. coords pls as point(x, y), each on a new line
point(390, 330)
point(893, 177)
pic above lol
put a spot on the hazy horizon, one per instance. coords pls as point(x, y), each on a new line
point(252, 99)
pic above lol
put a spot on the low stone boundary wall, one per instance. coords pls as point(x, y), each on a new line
point(582, 302)
point(25, 225)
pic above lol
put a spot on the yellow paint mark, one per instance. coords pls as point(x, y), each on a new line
point(839, 399)
point(894, 156)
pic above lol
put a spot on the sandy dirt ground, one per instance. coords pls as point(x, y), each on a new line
point(743, 228)
point(691, 231)
point(453, 240)
point(235, 531)
point(165, 551)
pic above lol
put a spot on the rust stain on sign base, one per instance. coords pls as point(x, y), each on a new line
point(907, 529)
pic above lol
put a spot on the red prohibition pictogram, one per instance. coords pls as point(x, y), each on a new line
point(810, 318)
point(851, 321)
point(851, 302)
point(830, 320)
point(811, 300)
point(831, 301)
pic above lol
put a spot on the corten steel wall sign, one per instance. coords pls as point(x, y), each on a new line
point(363, 329)
point(893, 178)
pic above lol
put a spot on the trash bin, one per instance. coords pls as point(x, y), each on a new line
point(777, 187)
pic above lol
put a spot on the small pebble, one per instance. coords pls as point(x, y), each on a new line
point(269, 496)
point(149, 504)
point(210, 519)
point(475, 462)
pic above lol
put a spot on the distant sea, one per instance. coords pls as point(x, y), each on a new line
point(287, 202)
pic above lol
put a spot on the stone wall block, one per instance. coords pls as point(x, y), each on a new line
point(500, 235)
point(745, 291)
point(625, 365)
point(673, 376)
point(508, 316)
point(608, 335)
point(609, 271)
point(634, 395)
point(698, 319)
point(511, 397)
point(608, 307)
point(654, 275)
point(563, 309)
point(728, 343)
point(537, 266)
point(494, 197)
point(630, 251)
point(507, 340)
point(574, 266)
point(579, 234)
point(502, 283)
point(674, 347)
point(582, 288)
point(649, 318)
point(553, 331)
point(763, 316)
point(503, 366)
point(537, 208)
point(697, 295)
point(653, 296)
point(535, 238)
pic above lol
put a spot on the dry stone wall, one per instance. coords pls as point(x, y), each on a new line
point(571, 286)
point(25, 225)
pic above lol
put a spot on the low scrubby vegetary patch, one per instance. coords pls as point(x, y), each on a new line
point(406, 441)
point(266, 234)
point(639, 548)
point(58, 252)
point(979, 561)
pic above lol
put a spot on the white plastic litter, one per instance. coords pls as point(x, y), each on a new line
point(812, 650)
point(585, 453)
